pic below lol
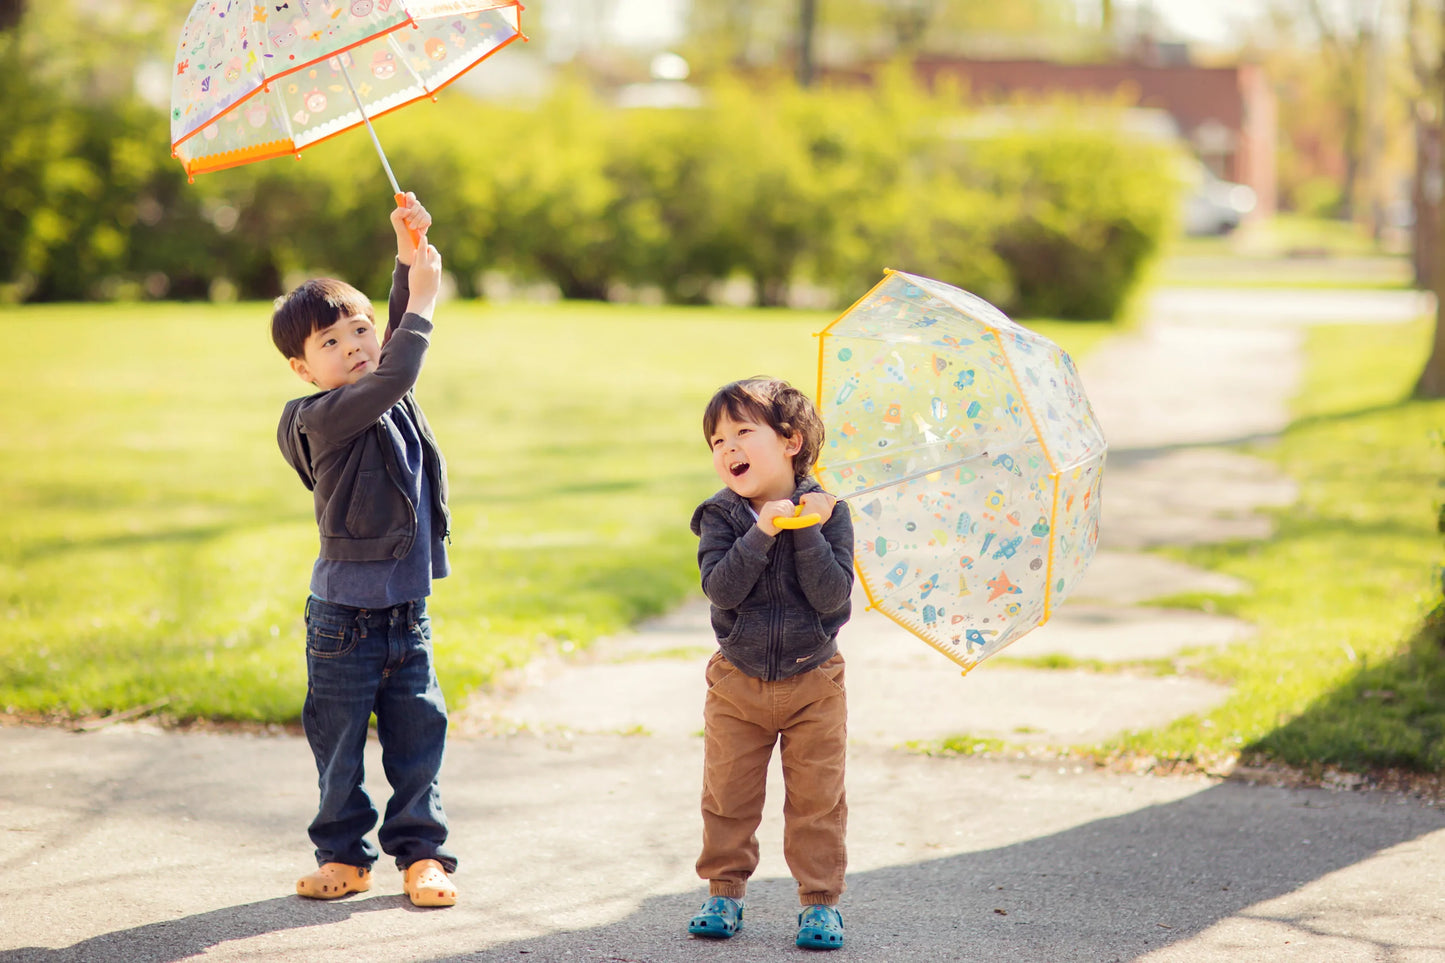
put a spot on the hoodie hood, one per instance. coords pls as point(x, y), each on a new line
point(292, 439)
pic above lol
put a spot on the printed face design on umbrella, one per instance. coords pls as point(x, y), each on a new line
point(971, 460)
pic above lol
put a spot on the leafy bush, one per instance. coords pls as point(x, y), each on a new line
point(765, 182)
point(1089, 211)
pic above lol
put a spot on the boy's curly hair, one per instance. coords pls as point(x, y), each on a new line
point(775, 403)
point(317, 304)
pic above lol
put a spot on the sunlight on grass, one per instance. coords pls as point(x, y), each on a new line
point(1348, 578)
point(155, 545)
point(1286, 251)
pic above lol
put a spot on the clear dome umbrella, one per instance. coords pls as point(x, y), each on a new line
point(971, 459)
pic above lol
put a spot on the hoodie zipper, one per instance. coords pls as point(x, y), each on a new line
point(776, 616)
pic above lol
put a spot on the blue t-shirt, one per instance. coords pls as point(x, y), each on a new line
point(382, 584)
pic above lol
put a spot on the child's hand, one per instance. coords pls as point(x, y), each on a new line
point(424, 280)
point(410, 215)
point(782, 508)
point(820, 502)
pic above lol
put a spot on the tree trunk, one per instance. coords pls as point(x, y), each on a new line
point(1431, 383)
point(1432, 379)
point(10, 13)
point(1425, 199)
point(807, 27)
point(1350, 189)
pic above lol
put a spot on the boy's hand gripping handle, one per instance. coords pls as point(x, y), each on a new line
point(411, 232)
point(798, 519)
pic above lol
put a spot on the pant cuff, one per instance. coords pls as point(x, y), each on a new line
point(818, 899)
point(722, 887)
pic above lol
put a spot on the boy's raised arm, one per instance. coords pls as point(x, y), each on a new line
point(410, 217)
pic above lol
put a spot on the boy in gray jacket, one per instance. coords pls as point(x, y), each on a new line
point(364, 449)
point(779, 595)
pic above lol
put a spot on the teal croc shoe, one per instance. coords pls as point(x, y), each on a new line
point(719, 918)
point(820, 928)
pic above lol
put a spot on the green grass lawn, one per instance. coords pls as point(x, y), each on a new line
point(1285, 251)
point(154, 545)
point(1348, 668)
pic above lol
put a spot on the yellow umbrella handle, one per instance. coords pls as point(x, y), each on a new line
point(799, 520)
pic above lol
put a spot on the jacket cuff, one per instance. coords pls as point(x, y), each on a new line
point(812, 537)
point(416, 324)
point(757, 541)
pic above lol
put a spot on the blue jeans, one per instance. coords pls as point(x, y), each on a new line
point(360, 661)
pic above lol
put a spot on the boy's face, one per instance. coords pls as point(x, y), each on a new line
point(339, 354)
point(754, 460)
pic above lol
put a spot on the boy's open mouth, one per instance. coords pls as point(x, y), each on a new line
point(739, 468)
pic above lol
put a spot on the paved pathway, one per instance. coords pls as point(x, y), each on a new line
point(574, 791)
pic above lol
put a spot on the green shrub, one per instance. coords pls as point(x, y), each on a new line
point(1089, 209)
point(765, 181)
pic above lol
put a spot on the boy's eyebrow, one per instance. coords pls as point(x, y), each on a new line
point(358, 316)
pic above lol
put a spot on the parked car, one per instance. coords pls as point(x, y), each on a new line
point(1213, 205)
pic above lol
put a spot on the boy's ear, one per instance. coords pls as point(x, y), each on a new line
point(298, 365)
point(795, 444)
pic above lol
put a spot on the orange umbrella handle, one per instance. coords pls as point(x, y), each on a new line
point(415, 237)
point(799, 520)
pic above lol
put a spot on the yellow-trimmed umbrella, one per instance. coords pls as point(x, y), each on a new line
point(970, 456)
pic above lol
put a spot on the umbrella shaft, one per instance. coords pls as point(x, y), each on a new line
point(367, 121)
point(918, 474)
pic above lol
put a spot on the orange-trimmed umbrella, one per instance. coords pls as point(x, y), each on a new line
point(255, 80)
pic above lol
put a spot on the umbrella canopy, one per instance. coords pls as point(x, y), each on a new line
point(257, 80)
point(970, 456)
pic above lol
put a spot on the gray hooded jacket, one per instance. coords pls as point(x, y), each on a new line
point(336, 443)
point(777, 603)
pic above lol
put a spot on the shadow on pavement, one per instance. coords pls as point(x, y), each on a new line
point(1114, 889)
point(189, 935)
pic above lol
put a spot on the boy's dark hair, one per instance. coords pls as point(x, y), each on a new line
point(317, 304)
point(775, 403)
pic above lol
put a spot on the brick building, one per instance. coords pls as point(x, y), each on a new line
point(1227, 114)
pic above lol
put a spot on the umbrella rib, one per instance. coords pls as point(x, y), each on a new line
point(405, 62)
point(395, 189)
point(910, 477)
point(283, 111)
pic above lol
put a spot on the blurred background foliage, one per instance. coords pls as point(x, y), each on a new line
point(795, 173)
point(775, 188)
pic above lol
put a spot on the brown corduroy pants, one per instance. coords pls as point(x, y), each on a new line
point(743, 719)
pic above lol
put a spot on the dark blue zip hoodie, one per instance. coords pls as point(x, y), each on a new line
point(777, 603)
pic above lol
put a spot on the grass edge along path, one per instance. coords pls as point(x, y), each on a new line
point(1344, 683)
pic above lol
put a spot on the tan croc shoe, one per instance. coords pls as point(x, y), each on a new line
point(426, 884)
point(332, 880)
